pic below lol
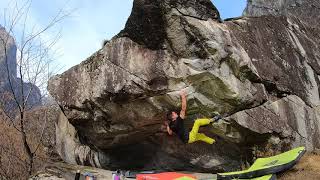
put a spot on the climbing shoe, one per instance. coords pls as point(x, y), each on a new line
point(217, 118)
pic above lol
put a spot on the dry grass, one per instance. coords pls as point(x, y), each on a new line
point(308, 168)
point(12, 155)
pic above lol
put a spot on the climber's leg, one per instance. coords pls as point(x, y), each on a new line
point(194, 132)
point(198, 123)
point(204, 138)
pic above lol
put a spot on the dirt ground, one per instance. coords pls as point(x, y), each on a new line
point(308, 168)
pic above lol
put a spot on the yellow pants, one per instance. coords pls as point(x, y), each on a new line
point(195, 136)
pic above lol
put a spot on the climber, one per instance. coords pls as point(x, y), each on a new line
point(175, 124)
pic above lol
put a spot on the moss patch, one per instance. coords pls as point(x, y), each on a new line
point(241, 72)
point(195, 107)
point(211, 50)
point(215, 90)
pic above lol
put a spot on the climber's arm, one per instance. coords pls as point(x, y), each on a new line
point(168, 129)
point(183, 104)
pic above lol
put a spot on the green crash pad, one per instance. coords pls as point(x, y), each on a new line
point(266, 177)
point(267, 166)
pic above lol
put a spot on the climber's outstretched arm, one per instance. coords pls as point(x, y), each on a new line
point(183, 104)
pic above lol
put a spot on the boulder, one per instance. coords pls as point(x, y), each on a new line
point(68, 145)
point(261, 71)
point(289, 118)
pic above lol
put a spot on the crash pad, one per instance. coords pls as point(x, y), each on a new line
point(166, 176)
point(266, 166)
point(265, 177)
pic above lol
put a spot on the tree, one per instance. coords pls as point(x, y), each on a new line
point(34, 67)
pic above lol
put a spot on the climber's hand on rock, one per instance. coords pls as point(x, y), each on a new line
point(166, 123)
point(163, 128)
point(182, 93)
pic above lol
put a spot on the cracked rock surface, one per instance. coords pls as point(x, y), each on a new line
point(262, 71)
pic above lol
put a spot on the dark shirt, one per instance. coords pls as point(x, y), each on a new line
point(177, 126)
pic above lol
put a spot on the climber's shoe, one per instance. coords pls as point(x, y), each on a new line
point(216, 118)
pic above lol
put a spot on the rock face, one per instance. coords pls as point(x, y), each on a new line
point(8, 69)
point(274, 7)
point(10, 51)
point(262, 71)
point(69, 147)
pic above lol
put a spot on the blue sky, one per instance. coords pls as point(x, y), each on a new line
point(93, 21)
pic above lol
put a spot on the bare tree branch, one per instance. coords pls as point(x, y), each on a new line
point(11, 120)
point(34, 63)
point(42, 132)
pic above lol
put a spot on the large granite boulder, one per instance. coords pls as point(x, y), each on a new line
point(261, 71)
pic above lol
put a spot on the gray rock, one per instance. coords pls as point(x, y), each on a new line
point(69, 147)
point(266, 7)
point(46, 176)
point(146, 24)
point(263, 70)
point(288, 117)
point(304, 10)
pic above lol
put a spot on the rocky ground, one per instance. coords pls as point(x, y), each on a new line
point(63, 171)
point(308, 168)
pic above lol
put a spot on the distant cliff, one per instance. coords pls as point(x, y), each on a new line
point(8, 69)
